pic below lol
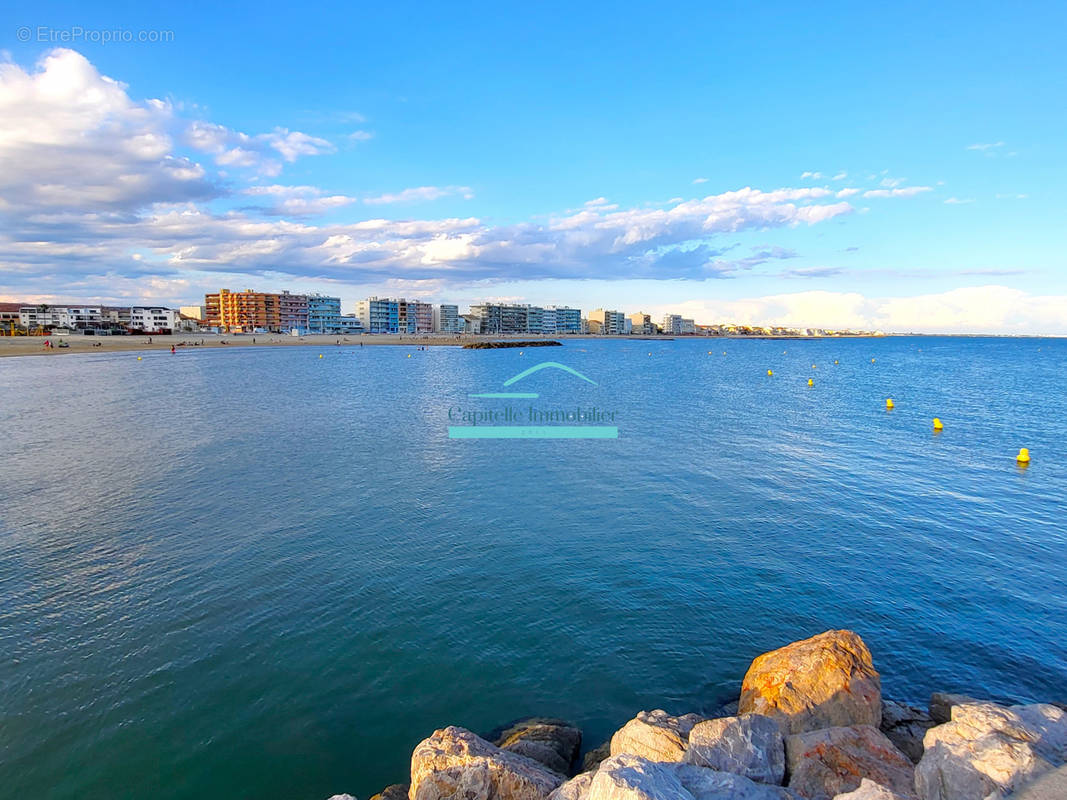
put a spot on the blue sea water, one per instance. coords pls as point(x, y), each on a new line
point(258, 573)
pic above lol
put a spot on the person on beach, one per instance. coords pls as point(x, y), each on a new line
point(172, 350)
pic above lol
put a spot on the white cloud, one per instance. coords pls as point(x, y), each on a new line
point(848, 192)
point(986, 146)
point(979, 309)
point(93, 194)
point(700, 180)
point(235, 149)
point(958, 201)
point(361, 136)
point(810, 175)
point(298, 200)
point(909, 191)
point(840, 176)
point(70, 138)
point(421, 194)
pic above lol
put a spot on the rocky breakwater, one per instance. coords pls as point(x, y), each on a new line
point(811, 724)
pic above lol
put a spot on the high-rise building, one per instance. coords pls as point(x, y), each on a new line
point(293, 311)
point(395, 315)
point(324, 313)
point(672, 324)
point(502, 318)
point(608, 323)
point(243, 311)
point(446, 319)
point(567, 320)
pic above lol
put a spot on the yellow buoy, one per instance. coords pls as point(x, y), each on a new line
point(320, 355)
point(769, 372)
point(937, 424)
point(888, 402)
point(811, 382)
point(835, 360)
point(409, 355)
point(813, 366)
point(138, 358)
point(872, 360)
point(1024, 456)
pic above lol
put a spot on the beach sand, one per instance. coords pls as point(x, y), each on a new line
point(35, 345)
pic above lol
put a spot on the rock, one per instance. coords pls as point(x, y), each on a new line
point(454, 762)
point(575, 789)
point(987, 749)
point(822, 682)
point(594, 757)
point(1050, 786)
point(654, 735)
point(941, 704)
point(825, 763)
point(905, 726)
point(553, 742)
point(398, 791)
point(749, 745)
point(630, 777)
point(869, 790)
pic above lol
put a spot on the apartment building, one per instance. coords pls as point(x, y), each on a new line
point(607, 323)
point(246, 311)
point(324, 313)
point(446, 319)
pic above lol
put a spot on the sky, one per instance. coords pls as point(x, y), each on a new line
point(817, 165)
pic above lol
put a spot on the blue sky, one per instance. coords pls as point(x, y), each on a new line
point(776, 163)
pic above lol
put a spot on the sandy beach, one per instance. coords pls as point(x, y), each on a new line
point(35, 345)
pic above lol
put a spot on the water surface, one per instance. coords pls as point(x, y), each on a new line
point(257, 573)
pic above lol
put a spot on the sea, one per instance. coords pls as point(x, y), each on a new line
point(269, 572)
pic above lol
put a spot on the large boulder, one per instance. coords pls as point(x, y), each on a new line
point(397, 791)
point(749, 745)
point(941, 704)
point(1050, 786)
point(869, 790)
point(630, 777)
point(988, 749)
point(553, 742)
point(455, 763)
point(825, 763)
point(905, 726)
point(577, 788)
point(822, 682)
point(655, 735)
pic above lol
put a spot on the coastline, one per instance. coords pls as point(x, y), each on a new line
point(14, 346)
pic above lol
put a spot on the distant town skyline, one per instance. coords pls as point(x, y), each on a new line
point(894, 170)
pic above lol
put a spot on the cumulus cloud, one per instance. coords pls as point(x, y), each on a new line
point(71, 138)
point(95, 194)
point(908, 191)
point(235, 149)
point(810, 175)
point(297, 200)
point(420, 194)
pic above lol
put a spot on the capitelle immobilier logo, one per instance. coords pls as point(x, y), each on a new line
point(530, 420)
